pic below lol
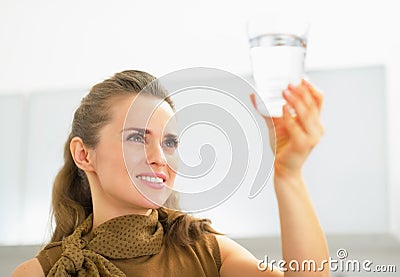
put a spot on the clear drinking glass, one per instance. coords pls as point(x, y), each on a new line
point(278, 44)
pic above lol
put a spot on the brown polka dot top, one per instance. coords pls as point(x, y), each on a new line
point(129, 245)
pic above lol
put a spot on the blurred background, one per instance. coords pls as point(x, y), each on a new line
point(52, 52)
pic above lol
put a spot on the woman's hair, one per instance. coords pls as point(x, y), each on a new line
point(71, 198)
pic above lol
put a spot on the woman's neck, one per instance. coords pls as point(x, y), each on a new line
point(102, 214)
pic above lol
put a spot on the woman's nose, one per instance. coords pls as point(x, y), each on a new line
point(155, 155)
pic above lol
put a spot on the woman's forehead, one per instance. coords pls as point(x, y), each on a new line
point(151, 111)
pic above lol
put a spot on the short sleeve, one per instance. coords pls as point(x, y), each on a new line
point(49, 255)
point(214, 248)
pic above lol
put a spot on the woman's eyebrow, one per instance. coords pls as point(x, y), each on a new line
point(171, 136)
point(140, 130)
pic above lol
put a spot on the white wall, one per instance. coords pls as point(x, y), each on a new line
point(47, 44)
point(52, 46)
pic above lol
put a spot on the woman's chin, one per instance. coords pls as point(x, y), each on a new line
point(155, 201)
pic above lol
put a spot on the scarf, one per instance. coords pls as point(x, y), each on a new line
point(86, 252)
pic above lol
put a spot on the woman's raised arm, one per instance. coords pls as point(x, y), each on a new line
point(303, 240)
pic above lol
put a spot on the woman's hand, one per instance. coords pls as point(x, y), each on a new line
point(293, 140)
point(295, 135)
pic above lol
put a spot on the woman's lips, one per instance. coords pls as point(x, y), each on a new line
point(155, 181)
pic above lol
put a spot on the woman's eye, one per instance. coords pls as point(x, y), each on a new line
point(136, 138)
point(171, 143)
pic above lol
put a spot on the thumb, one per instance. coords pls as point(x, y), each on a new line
point(253, 100)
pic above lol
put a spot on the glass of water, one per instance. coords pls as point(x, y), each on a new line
point(278, 44)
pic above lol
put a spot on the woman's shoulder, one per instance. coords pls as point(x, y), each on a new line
point(30, 267)
point(236, 260)
point(41, 264)
point(203, 249)
point(49, 255)
point(210, 243)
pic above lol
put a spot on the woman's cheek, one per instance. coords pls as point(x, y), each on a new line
point(132, 156)
point(173, 161)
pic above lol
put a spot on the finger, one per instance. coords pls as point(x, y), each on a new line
point(304, 94)
point(300, 108)
point(291, 125)
point(296, 132)
point(318, 129)
point(308, 118)
point(253, 100)
point(316, 94)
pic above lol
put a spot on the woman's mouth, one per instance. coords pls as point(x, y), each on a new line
point(152, 181)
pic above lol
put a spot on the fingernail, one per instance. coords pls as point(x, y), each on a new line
point(306, 82)
point(290, 110)
point(286, 93)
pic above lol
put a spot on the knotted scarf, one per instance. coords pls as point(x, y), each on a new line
point(86, 252)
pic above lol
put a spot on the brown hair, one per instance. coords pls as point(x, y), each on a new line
point(71, 198)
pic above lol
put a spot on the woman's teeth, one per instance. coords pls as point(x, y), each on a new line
point(151, 179)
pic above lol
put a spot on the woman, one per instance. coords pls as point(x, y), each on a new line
point(106, 227)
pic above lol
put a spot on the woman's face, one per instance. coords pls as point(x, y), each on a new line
point(136, 157)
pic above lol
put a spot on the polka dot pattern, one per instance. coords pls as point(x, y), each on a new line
point(119, 238)
point(128, 236)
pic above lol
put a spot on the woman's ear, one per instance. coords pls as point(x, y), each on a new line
point(80, 154)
